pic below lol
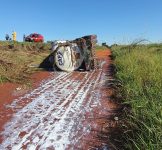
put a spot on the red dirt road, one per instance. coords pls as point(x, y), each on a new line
point(64, 112)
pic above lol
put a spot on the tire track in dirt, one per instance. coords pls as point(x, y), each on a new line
point(41, 89)
point(54, 115)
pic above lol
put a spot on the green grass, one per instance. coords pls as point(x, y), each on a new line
point(139, 67)
point(17, 57)
point(98, 47)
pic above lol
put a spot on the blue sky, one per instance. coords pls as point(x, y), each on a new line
point(114, 21)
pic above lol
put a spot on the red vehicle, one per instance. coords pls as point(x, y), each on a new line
point(34, 37)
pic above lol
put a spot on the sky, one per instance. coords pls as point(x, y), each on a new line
point(113, 21)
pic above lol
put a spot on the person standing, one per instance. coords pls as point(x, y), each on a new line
point(24, 36)
point(7, 37)
point(14, 36)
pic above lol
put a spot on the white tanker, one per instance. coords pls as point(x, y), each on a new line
point(73, 55)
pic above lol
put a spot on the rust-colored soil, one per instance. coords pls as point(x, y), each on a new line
point(11, 91)
point(65, 111)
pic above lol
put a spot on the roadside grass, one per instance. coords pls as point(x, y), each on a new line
point(139, 67)
point(98, 47)
point(17, 57)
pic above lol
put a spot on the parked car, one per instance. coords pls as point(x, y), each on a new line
point(34, 37)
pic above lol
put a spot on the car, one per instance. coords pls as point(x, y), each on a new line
point(34, 37)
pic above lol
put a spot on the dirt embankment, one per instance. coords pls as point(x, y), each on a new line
point(18, 59)
point(75, 110)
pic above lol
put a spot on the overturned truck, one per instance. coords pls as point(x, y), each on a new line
point(78, 54)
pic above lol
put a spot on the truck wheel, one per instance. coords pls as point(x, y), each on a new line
point(82, 67)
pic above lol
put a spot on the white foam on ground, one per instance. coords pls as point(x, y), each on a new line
point(54, 117)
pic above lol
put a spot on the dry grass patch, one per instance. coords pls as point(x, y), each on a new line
point(16, 59)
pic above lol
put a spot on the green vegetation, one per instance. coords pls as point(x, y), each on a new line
point(98, 47)
point(17, 57)
point(139, 67)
